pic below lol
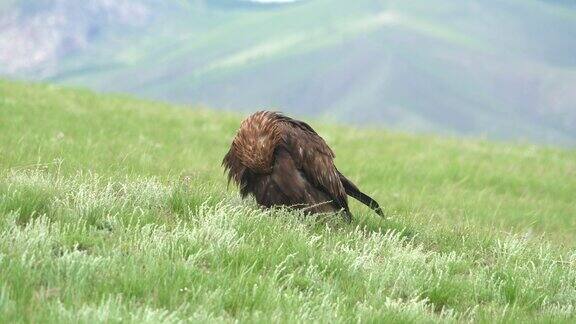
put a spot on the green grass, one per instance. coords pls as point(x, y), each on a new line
point(116, 210)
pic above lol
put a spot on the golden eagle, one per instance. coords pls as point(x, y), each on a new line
point(284, 162)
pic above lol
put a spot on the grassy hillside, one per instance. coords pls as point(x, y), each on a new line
point(505, 69)
point(114, 209)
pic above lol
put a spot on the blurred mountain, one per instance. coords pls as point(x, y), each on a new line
point(505, 69)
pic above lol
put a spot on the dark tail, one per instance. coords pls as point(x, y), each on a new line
point(354, 192)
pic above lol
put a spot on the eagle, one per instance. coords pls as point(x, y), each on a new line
point(282, 161)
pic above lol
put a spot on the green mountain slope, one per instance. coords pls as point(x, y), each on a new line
point(505, 69)
point(115, 209)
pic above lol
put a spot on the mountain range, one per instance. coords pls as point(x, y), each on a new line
point(502, 69)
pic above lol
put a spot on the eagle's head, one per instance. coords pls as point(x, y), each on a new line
point(256, 141)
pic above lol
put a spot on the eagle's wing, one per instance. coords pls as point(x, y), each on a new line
point(312, 155)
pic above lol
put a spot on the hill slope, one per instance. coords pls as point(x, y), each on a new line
point(505, 69)
point(114, 209)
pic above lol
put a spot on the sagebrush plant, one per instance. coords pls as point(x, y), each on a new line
point(116, 210)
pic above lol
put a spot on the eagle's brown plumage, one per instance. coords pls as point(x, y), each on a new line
point(283, 161)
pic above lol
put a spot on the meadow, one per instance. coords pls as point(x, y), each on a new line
point(114, 209)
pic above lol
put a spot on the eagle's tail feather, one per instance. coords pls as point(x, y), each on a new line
point(354, 192)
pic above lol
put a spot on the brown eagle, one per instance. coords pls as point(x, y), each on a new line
point(284, 162)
